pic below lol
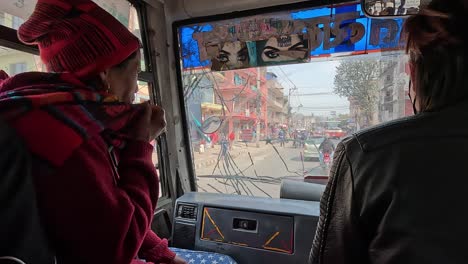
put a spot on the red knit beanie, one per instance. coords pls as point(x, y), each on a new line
point(77, 36)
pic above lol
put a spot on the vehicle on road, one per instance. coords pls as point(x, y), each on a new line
point(335, 133)
point(311, 148)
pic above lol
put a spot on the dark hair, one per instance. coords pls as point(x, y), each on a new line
point(124, 63)
point(437, 45)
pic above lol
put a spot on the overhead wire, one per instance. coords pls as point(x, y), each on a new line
point(234, 166)
point(203, 189)
point(214, 188)
point(232, 175)
point(238, 183)
point(242, 174)
point(294, 86)
point(287, 77)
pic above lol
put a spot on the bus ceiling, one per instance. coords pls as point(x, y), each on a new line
point(393, 8)
point(185, 9)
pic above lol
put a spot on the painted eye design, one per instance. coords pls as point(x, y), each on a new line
point(223, 58)
point(242, 57)
point(300, 47)
point(272, 54)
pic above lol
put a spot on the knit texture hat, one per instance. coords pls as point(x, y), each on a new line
point(77, 36)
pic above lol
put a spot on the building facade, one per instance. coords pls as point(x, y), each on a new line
point(393, 94)
point(244, 93)
point(276, 102)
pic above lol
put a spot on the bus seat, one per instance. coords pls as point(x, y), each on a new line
point(301, 190)
point(22, 236)
point(202, 257)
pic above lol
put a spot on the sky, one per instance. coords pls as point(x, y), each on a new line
point(312, 77)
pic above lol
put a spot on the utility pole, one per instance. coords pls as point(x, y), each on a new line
point(259, 107)
point(289, 106)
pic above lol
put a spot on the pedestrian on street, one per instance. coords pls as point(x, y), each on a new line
point(282, 137)
point(294, 137)
point(268, 140)
point(224, 147)
point(232, 138)
point(214, 139)
point(401, 8)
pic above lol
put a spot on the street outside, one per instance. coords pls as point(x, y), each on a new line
point(248, 170)
point(305, 103)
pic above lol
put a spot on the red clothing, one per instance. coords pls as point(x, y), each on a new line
point(94, 221)
point(214, 138)
point(91, 213)
point(232, 136)
point(77, 36)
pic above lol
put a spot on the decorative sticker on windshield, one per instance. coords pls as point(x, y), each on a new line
point(287, 38)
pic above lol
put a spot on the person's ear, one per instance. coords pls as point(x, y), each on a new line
point(412, 76)
point(412, 70)
point(104, 77)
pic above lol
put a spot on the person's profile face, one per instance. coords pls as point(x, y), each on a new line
point(284, 48)
point(233, 55)
point(123, 82)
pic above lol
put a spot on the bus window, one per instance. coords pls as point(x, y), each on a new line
point(142, 94)
point(10, 21)
point(15, 61)
point(289, 86)
point(14, 13)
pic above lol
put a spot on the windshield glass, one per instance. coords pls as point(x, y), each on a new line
point(287, 96)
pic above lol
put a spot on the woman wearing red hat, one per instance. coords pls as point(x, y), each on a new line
point(95, 181)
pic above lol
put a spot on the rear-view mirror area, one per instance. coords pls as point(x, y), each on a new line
point(392, 8)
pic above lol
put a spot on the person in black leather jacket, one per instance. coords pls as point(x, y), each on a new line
point(397, 192)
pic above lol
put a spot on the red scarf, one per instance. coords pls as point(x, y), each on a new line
point(55, 113)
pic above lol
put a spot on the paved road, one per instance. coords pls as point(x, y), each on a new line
point(259, 176)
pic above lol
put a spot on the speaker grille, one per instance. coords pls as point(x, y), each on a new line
point(184, 235)
point(187, 211)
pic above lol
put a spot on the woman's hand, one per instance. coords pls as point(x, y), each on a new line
point(158, 121)
point(179, 260)
point(149, 124)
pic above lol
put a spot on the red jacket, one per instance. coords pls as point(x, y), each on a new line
point(90, 219)
point(92, 214)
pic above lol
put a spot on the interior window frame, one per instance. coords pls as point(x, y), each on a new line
point(150, 76)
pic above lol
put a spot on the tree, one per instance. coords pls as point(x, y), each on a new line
point(358, 81)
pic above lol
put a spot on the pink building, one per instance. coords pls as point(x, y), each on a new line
point(243, 100)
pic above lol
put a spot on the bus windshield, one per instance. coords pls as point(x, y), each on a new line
point(288, 87)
